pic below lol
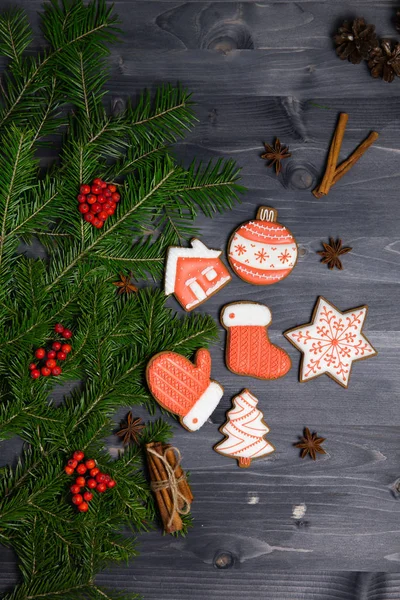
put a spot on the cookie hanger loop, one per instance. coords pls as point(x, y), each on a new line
point(266, 213)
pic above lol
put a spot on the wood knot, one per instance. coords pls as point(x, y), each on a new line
point(224, 560)
point(226, 36)
point(302, 251)
point(300, 176)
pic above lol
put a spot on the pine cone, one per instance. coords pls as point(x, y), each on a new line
point(355, 41)
point(385, 61)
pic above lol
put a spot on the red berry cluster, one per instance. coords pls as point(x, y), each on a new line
point(48, 363)
point(97, 481)
point(97, 202)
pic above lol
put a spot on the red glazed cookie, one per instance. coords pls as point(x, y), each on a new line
point(194, 274)
point(248, 349)
point(262, 252)
point(184, 388)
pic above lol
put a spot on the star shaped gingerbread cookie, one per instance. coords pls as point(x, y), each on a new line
point(331, 342)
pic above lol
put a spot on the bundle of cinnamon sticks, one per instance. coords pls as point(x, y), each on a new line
point(168, 482)
point(333, 171)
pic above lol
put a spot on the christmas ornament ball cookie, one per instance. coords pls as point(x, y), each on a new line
point(263, 251)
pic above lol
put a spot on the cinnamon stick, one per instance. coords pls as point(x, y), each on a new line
point(333, 157)
point(166, 506)
point(158, 496)
point(347, 164)
point(183, 485)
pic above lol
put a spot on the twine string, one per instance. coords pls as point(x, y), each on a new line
point(171, 483)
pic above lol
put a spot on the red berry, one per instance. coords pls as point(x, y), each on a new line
point(112, 483)
point(78, 455)
point(91, 199)
point(101, 199)
point(89, 217)
point(67, 333)
point(51, 363)
point(81, 198)
point(51, 354)
point(96, 189)
point(56, 346)
point(61, 355)
point(75, 489)
point(84, 189)
point(68, 470)
point(95, 208)
point(93, 472)
point(97, 181)
point(40, 353)
point(103, 185)
point(72, 463)
point(35, 373)
point(106, 205)
point(101, 487)
point(90, 464)
point(103, 215)
point(66, 348)
point(45, 371)
point(91, 483)
point(77, 499)
point(110, 211)
point(80, 481)
point(84, 208)
point(112, 187)
point(56, 371)
point(32, 366)
point(81, 469)
point(99, 224)
point(83, 507)
point(107, 479)
point(116, 197)
point(88, 496)
point(100, 478)
point(107, 193)
point(59, 328)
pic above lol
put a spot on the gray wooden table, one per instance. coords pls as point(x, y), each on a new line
point(285, 529)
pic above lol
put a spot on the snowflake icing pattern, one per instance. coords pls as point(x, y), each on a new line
point(284, 257)
point(332, 342)
point(261, 255)
point(240, 249)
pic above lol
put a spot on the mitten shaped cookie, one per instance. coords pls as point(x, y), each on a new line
point(184, 388)
point(248, 349)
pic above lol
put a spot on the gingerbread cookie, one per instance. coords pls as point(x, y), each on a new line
point(248, 349)
point(194, 274)
point(331, 342)
point(262, 252)
point(244, 429)
point(184, 388)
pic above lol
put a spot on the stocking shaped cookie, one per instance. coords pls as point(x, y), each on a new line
point(248, 349)
point(184, 388)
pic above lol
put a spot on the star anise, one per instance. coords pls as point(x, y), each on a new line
point(276, 154)
point(331, 253)
point(131, 429)
point(355, 40)
point(310, 444)
point(385, 61)
point(125, 286)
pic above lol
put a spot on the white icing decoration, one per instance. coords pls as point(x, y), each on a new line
point(260, 255)
point(204, 406)
point(246, 313)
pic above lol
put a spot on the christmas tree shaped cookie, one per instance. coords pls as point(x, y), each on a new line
point(244, 430)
